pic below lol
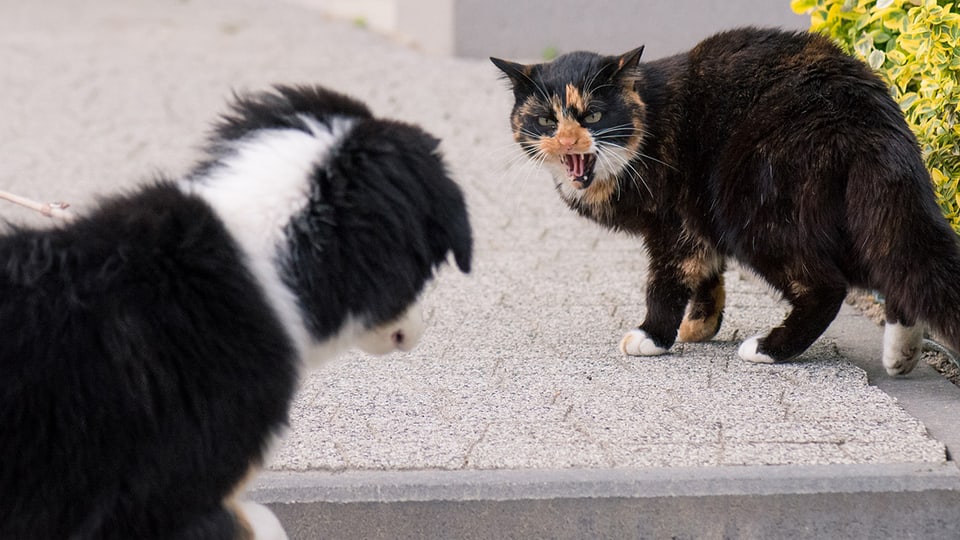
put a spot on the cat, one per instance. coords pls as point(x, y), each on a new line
point(769, 147)
point(152, 346)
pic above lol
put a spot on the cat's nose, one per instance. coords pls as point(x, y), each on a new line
point(567, 141)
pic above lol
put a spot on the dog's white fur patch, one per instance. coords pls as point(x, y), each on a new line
point(401, 334)
point(255, 190)
point(638, 343)
point(748, 351)
point(902, 346)
point(264, 523)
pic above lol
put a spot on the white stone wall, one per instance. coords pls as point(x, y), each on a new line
point(530, 29)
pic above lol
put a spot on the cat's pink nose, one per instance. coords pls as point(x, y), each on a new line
point(568, 142)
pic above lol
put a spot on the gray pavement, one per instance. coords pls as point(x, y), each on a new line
point(516, 416)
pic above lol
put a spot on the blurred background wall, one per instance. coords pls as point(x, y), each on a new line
point(537, 29)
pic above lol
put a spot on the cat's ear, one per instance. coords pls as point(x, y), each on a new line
point(627, 61)
point(518, 74)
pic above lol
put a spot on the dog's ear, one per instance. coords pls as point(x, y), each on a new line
point(459, 234)
point(452, 231)
point(402, 167)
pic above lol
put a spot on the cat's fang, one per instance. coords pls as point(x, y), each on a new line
point(579, 168)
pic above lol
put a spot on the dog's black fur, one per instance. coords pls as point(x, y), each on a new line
point(144, 368)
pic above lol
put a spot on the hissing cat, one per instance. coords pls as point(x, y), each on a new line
point(772, 148)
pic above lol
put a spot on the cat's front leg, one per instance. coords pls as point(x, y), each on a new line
point(667, 297)
point(704, 313)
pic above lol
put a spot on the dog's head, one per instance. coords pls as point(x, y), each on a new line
point(357, 211)
point(383, 214)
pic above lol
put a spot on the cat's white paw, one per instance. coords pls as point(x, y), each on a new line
point(902, 346)
point(637, 343)
point(748, 351)
point(263, 524)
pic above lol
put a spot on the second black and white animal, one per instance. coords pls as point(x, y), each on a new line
point(772, 148)
point(151, 347)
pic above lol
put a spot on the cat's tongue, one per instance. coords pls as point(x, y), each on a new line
point(579, 168)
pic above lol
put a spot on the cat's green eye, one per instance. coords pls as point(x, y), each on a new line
point(546, 122)
point(592, 118)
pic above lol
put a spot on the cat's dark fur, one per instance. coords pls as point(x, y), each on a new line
point(772, 148)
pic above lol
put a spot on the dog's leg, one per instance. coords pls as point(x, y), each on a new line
point(258, 522)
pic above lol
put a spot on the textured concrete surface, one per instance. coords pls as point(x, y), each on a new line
point(519, 372)
point(832, 501)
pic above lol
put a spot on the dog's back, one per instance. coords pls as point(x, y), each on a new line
point(151, 349)
point(140, 368)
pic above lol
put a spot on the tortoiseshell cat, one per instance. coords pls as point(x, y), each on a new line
point(772, 148)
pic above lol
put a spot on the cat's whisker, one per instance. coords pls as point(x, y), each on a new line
point(625, 165)
point(602, 86)
point(651, 158)
point(514, 159)
point(518, 159)
point(507, 149)
point(624, 161)
point(638, 154)
point(588, 88)
point(623, 128)
point(539, 87)
point(604, 160)
point(523, 156)
point(529, 165)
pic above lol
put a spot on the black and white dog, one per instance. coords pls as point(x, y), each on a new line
point(149, 350)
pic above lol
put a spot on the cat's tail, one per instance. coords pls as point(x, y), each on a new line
point(909, 251)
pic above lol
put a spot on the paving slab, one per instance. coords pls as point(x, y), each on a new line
point(516, 416)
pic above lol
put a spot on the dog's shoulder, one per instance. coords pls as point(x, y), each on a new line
point(287, 107)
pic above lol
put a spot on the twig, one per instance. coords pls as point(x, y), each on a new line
point(931, 345)
point(57, 210)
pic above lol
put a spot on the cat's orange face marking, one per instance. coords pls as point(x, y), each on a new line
point(576, 100)
point(570, 138)
point(571, 144)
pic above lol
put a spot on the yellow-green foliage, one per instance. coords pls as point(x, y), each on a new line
point(915, 47)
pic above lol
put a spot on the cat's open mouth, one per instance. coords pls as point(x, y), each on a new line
point(579, 168)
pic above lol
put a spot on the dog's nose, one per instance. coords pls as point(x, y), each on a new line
point(398, 339)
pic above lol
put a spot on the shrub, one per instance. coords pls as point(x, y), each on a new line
point(913, 45)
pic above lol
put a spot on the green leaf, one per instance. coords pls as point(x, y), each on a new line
point(895, 21)
point(879, 36)
point(915, 47)
point(802, 6)
point(908, 100)
point(897, 57)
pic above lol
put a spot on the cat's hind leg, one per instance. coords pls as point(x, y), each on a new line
point(705, 311)
point(902, 346)
point(814, 308)
point(902, 341)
